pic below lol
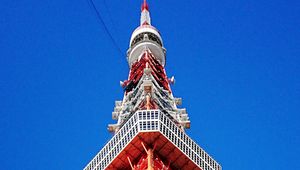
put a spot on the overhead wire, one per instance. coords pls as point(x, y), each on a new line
point(111, 19)
point(99, 16)
point(109, 13)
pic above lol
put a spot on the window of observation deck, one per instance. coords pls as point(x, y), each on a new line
point(151, 37)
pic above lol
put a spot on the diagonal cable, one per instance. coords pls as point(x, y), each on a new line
point(93, 6)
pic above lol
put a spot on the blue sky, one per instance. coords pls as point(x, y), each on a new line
point(236, 65)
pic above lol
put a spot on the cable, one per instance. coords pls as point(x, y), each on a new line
point(110, 19)
point(92, 4)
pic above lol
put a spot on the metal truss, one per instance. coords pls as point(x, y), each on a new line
point(152, 121)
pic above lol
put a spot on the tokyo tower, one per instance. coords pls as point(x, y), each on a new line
point(150, 130)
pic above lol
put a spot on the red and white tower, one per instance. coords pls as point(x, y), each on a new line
point(150, 129)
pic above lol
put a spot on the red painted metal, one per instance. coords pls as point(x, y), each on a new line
point(137, 70)
point(157, 164)
point(145, 23)
point(145, 6)
point(143, 105)
point(165, 154)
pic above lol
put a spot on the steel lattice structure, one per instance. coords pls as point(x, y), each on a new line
point(150, 129)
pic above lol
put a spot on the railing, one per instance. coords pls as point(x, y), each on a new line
point(146, 121)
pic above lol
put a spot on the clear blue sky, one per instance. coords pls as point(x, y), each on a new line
point(236, 65)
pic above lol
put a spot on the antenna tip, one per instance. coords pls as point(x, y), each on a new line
point(145, 6)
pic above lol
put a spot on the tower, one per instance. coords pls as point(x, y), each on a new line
point(150, 129)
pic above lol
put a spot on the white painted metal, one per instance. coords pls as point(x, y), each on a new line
point(152, 121)
point(145, 17)
point(136, 50)
point(134, 53)
point(144, 28)
point(163, 98)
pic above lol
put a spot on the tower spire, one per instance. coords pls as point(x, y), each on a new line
point(145, 6)
point(145, 15)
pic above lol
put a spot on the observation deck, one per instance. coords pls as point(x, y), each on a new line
point(152, 127)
